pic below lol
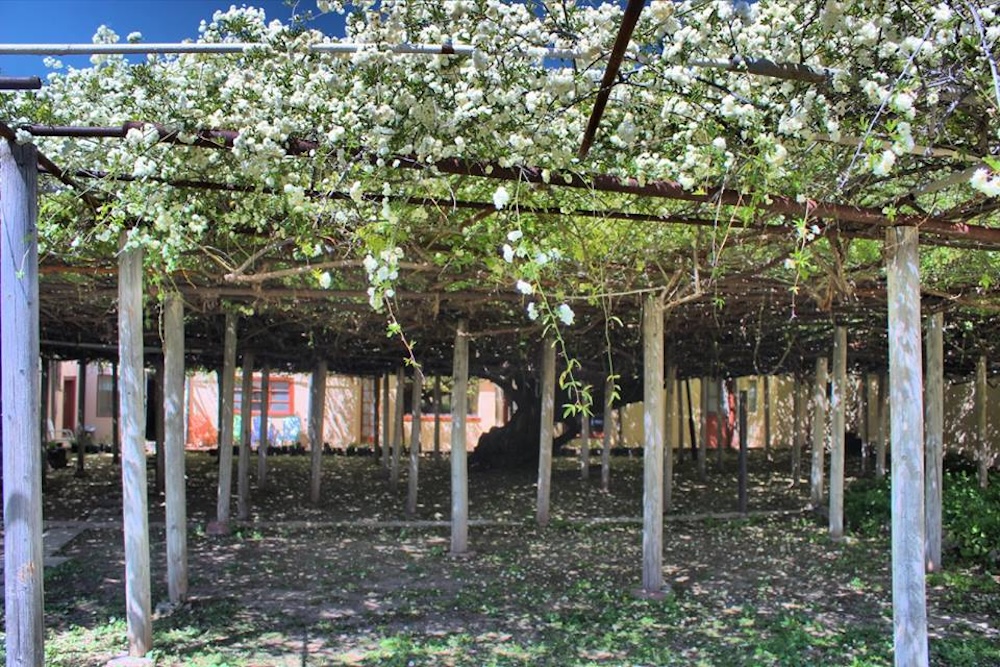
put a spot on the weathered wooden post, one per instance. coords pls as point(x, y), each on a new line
point(159, 425)
point(744, 471)
point(386, 424)
point(703, 440)
point(116, 436)
point(982, 441)
point(227, 386)
point(721, 422)
point(265, 436)
point(584, 446)
point(81, 411)
point(838, 411)
point(609, 421)
point(173, 395)
point(798, 435)
point(884, 412)
point(548, 399)
point(670, 419)
point(134, 499)
point(819, 433)
point(416, 417)
point(933, 440)
point(459, 468)
point(653, 429)
point(246, 431)
point(909, 602)
point(317, 410)
point(22, 460)
point(437, 417)
point(767, 417)
point(43, 418)
point(397, 428)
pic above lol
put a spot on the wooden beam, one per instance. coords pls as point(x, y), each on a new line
point(653, 432)
point(933, 440)
point(173, 397)
point(838, 414)
point(909, 601)
point(547, 411)
point(459, 467)
point(133, 411)
point(22, 459)
point(81, 411)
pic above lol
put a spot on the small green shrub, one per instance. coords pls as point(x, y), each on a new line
point(970, 515)
point(971, 518)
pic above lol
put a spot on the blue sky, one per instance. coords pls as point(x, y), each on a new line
point(75, 21)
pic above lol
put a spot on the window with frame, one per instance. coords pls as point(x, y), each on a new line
point(280, 398)
point(105, 395)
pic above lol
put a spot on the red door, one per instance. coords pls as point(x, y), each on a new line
point(69, 404)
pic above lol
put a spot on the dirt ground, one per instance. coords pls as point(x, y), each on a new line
point(352, 582)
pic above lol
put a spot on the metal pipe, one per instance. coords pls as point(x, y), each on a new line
point(20, 83)
point(625, 30)
point(333, 48)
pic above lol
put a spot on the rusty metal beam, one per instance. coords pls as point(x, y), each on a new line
point(629, 19)
point(661, 189)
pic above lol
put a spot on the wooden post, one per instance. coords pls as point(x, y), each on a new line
point(459, 469)
point(547, 411)
point(744, 472)
point(584, 446)
point(670, 419)
point(722, 410)
point(819, 433)
point(909, 601)
point(116, 436)
point(265, 438)
point(22, 461)
point(227, 384)
point(437, 417)
point(653, 430)
point(397, 428)
point(883, 425)
point(246, 431)
point(767, 417)
point(799, 401)
point(703, 440)
point(317, 410)
point(43, 419)
point(81, 411)
point(609, 421)
point(376, 411)
point(982, 442)
point(933, 440)
point(416, 414)
point(838, 411)
point(173, 404)
point(863, 421)
point(134, 500)
point(690, 420)
point(386, 424)
point(159, 426)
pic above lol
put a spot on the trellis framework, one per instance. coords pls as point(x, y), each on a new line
point(729, 188)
